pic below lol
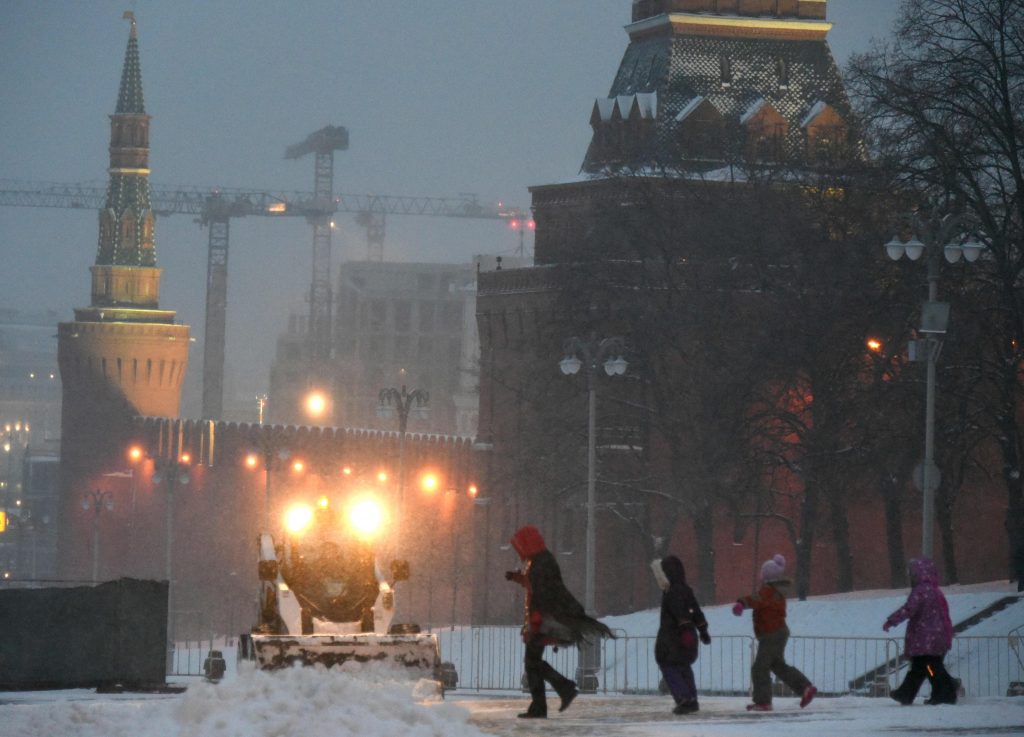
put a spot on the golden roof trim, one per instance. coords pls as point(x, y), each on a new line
point(730, 25)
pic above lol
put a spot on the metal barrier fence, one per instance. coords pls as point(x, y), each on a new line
point(490, 658)
point(192, 639)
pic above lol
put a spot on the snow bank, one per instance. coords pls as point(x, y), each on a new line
point(314, 701)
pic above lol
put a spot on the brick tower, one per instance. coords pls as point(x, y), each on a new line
point(122, 356)
point(712, 99)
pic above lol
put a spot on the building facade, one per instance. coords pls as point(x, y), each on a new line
point(722, 117)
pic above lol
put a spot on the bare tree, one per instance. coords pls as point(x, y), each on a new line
point(944, 106)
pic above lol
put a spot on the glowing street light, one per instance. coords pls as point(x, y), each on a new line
point(316, 404)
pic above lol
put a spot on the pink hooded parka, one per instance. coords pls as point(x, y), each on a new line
point(929, 629)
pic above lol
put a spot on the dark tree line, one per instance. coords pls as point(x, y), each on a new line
point(943, 101)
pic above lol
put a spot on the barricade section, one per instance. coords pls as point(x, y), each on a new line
point(491, 658)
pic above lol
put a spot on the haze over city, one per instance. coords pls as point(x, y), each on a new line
point(440, 99)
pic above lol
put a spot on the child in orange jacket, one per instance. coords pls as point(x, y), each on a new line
point(769, 605)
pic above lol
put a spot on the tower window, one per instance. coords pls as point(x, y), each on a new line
point(725, 70)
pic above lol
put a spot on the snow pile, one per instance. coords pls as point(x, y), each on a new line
point(327, 703)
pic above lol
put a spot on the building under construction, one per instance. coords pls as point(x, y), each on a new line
point(395, 324)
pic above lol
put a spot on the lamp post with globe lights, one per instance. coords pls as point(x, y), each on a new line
point(169, 472)
point(942, 236)
point(272, 451)
point(97, 501)
point(402, 402)
point(588, 355)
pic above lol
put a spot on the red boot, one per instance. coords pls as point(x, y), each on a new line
point(809, 693)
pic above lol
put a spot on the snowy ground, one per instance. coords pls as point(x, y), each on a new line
point(317, 703)
point(322, 703)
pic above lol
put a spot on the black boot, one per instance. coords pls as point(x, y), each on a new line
point(534, 712)
point(901, 696)
point(567, 691)
point(686, 707)
point(538, 701)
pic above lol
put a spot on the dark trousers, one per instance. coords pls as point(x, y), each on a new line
point(538, 671)
point(944, 688)
point(770, 659)
point(679, 679)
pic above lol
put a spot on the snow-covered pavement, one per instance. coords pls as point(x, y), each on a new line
point(311, 702)
point(650, 716)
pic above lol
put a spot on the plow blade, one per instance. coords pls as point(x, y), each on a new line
point(418, 654)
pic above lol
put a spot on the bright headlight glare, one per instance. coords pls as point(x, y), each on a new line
point(298, 518)
point(366, 516)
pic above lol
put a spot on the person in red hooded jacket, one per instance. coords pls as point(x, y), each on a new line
point(553, 617)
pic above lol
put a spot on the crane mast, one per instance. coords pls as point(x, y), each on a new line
point(322, 144)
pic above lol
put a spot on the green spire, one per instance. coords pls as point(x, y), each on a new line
point(129, 98)
point(126, 236)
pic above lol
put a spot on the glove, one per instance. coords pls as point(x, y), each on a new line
point(510, 575)
point(737, 608)
point(887, 626)
point(705, 637)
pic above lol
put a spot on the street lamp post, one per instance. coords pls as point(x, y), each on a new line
point(607, 352)
point(942, 236)
point(168, 471)
point(96, 501)
point(392, 400)
point(270, 446)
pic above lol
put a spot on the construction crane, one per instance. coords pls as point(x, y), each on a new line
point(322, 144)
point(214, 207)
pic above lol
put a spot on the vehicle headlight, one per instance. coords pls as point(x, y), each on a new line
point(366, 517)
point(298, 518)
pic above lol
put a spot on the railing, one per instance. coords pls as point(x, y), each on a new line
point(490, 658)
point(193, 640)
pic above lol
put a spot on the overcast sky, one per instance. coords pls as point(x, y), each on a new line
point(440, 97)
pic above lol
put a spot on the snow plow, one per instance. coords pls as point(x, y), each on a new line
point(325, 599)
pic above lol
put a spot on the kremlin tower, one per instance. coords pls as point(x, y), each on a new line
point(122, 356)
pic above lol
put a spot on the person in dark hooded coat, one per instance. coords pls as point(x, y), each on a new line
point(553, 617)
point(682, 622)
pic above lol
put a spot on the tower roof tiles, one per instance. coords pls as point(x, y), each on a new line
point(129, 97)
point(678, 68)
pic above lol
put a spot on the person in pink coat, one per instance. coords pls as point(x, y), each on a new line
point(929, 636)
